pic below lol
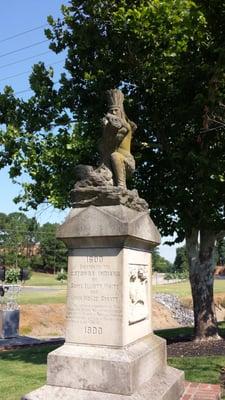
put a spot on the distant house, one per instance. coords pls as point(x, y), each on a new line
point(31, 249)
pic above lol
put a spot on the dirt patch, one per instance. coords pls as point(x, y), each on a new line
point(219, 301)
point(162, 318)
point(42, 320)
point(49, 320)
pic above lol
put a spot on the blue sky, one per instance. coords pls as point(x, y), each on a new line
point(17, 17)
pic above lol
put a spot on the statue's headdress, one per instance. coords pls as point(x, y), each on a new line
point(115, 99)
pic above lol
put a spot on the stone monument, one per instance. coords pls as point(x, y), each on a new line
point(110, 351)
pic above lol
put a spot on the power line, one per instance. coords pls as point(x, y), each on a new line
point(30, 90)
point(23, 48)
point(26, 72)
point(39, 231)
point(23, 91)
point(22, 33)
point(14, 76)
point(24, 59)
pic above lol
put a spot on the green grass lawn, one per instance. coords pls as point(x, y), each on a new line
point(22, 371)
point(43, 279)
point(183, 289)
point(45, 297)
point(199, 369)
point(180, 289)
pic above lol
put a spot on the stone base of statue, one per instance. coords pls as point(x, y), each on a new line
point(136, 371)
point(110, 351)
point(107, 196)
point(96, 188)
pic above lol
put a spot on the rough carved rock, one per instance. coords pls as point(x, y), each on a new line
point(83, 196)
point(88, 176)
point(95, 187)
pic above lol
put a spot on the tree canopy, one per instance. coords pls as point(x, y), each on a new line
point(181, 260)
point(159, 263)
point(24, 243)
point(220, 252)
point(18, 234)
point(53, 252)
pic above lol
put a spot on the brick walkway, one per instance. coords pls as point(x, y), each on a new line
point(201, 391)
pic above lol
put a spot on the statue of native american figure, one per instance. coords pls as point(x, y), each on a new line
point(116, 139)
point(106, 184)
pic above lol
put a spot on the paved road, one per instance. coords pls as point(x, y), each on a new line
point(29, 289)
point(42, 288)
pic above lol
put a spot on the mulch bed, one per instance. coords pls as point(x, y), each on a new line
point(187, 347)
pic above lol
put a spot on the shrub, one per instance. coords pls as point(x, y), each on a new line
point(61, 276)
point(177, 275)
point(12, 275)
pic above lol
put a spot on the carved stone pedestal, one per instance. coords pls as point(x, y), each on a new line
point(110, 350)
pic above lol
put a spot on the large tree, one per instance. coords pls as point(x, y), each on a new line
point(220, 252)
point(18, 234)
point(168, 56)
point(159, 263)
point(53, 252)
point(181, 261)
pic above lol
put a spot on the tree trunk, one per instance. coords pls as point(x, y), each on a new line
point(201, 270)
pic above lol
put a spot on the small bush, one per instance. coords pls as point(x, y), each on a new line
point(61, 276)
point(12, 275)
point(177, 275)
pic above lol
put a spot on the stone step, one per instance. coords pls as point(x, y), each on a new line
point(167, 385)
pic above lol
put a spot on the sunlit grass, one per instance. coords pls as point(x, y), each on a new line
point(22, 371)
point(183, 289)
point(43, 297)
point(43, 279)
point(180, 289)
point(199, 369)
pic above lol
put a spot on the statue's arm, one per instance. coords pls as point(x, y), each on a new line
point(121, 133)
point(133, 126)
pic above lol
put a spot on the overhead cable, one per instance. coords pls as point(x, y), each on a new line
point(30, 90)
point(26, 72)
point(23, 48)
point(22, 33)
point(24, 59)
